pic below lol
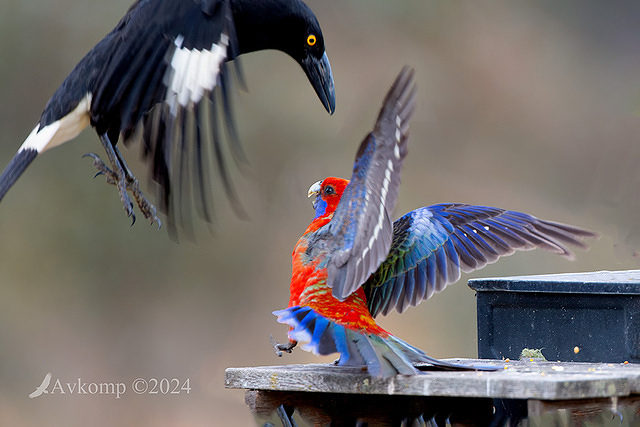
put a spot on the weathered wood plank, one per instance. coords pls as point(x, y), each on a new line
point(518, 380)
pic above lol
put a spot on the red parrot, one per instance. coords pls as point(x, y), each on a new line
point(353, 263)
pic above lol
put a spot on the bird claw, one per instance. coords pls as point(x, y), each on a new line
point(280, 348)
point(103, 169)
point(94, 156)
point(147, 209)
point(126, 182)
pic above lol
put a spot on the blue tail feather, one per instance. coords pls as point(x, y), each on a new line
point(383, 357)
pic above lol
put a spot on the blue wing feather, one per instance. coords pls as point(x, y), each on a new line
point(433, 245)
point(360, 232)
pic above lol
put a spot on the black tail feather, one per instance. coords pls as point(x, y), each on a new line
point(14, 169)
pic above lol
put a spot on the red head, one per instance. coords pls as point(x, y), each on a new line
point(328, 193)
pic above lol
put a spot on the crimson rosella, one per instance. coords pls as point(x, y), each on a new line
point(353, 263)
point(152, 78)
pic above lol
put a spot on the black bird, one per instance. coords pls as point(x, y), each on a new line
point(149, 77)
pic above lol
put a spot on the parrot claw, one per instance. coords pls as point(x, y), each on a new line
point(280, 348)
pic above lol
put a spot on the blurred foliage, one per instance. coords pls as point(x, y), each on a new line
point(523, 105)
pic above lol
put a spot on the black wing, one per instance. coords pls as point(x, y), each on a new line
point(157, 67)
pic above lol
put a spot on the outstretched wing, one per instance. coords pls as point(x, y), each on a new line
point(359, 235)
point(165, 59)
point(432, 245)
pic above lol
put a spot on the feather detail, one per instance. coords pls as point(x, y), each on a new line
point(334, 296)
point(361, 229)
point(384, 356)
point(433, 245)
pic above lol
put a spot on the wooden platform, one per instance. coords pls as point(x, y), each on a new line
point(323, 393)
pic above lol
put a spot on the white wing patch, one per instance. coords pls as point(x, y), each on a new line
point(381, 214)
point(60, 131)
point(193, 72)
point(396, 147)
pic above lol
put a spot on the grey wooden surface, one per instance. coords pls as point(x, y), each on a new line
point(514, 380)
point(603, 276)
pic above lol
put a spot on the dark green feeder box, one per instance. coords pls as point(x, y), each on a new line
point(576, 317)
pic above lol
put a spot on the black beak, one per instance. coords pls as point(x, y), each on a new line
point(319, 73)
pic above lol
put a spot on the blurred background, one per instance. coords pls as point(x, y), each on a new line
point(531, 107)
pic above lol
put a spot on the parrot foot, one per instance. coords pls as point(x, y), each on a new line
point(280, 348)
point(125, 181)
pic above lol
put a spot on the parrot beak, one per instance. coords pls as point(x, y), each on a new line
point(314, 190)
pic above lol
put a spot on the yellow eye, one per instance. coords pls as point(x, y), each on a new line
point(311, 40)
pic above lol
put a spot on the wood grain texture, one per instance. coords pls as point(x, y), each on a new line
point(514, 380)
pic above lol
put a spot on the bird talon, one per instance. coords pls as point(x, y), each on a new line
point(103, 169)
point(108, 177)
point(147, 209)
point(280, 348)
point(125, 181)
point(92, 155)
point(97, 161)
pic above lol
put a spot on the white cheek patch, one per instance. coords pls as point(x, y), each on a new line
point(60, 131)
point(193, 72)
